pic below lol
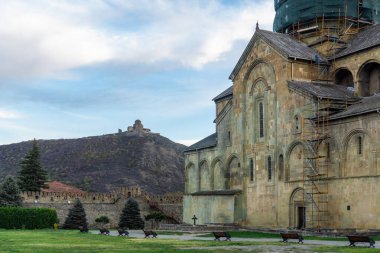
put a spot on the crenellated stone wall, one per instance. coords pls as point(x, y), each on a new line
point(108, 204)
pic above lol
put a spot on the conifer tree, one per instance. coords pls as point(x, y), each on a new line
point(32, 177)
point(10, 193)
point(130, 217)
point(76, 219)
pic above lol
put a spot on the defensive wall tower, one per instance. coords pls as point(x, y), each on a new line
point(325, 24)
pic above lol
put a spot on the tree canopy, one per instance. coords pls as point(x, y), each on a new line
point(32, 177)
point(10, 193)
point(130, 217)
point(76, 218)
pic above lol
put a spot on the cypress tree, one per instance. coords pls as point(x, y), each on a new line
point(32, 177)
point(76, 219)
point(10, 193)
point(130, 217)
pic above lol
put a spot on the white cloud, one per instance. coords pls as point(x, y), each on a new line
point(49, 38)
point(8, 114)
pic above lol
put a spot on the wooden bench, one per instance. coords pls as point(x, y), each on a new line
point(360, 238)
point(104, 231)
point(123, 232)
point(150, 233)
point(221, 234)
point(295, 236)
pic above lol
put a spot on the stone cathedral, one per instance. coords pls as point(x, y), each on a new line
point(297, 141)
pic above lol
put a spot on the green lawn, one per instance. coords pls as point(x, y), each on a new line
point(49, 241)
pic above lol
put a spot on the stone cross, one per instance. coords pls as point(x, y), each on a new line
point(194, 219)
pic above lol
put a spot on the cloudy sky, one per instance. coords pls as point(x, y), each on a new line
point(71, 69)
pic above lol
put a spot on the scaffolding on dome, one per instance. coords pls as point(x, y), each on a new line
point(291, 12)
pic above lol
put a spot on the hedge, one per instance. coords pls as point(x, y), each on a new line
point(28, 218)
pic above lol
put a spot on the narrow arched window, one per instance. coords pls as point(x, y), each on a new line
point(360, 145)
point(261, 119)
point(296, 123)
point(251, 169)
point(281, 166)
point(328, 150)
point(269, 168)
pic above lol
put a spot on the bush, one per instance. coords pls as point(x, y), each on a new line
point(130, 217)
point(76, 219)
point(29, 218)
point(10, 193)
point(102, 219)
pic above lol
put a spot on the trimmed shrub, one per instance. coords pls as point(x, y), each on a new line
point(29, 218)
point(130, 217)
point(76, 219)
point(10, 193)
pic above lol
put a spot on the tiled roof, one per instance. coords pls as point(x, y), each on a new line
point(366, 105)
point(323, 90)
point(216, 192)
point(207, 142)
point(361, 41)
point(285, 44)
point(55, 186)
point(291, 47)
point(224, 94)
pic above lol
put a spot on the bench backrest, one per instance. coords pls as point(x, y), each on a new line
point(220, 234)
point(358, 238)
point(290, 235)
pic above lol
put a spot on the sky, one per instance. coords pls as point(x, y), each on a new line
point(71, 69)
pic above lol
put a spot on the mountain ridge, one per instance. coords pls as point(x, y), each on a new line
point(103, 163)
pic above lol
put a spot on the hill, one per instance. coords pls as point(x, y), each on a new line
point(102, 163)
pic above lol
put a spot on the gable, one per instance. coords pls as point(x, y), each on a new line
point(284, 45)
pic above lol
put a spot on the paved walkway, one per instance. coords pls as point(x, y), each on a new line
point(140, 234)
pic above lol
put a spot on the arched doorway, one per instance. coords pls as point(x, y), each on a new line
point(344, 77)
point(297, 212)
point(369, 79)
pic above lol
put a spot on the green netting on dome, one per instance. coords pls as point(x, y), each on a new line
point(289, 12)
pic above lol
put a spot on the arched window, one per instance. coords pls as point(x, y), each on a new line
point(296, 123)
point(360, 145)
point(281, 166)
point(328, 150)
point(261, 119)
point(344, 77)
point(251, 169)
point(269, 168)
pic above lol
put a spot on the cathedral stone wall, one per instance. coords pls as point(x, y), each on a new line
point(259, 156)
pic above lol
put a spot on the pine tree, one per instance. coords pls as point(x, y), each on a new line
point(32, 177)
point(10, 193)
point(130, 217)
point(76, 218)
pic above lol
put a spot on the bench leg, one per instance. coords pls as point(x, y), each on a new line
point(284, 240)
point(352, 244)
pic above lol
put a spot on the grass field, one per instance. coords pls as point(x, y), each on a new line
point(49, 241)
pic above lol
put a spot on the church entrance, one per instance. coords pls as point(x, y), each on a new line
point(297, 209)
point(301, 217)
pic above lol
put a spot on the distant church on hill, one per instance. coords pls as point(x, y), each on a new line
point(297, 140)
